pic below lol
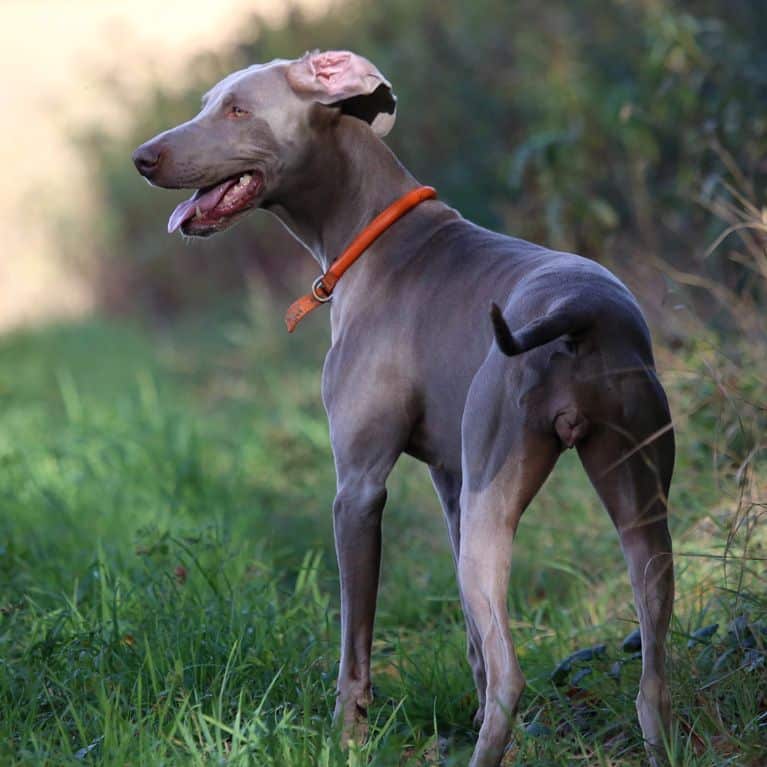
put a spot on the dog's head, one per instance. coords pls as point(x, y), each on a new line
point(256, 128)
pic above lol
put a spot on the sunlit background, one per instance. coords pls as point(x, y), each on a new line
point(54, 55)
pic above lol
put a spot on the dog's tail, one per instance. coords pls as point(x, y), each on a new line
point(567, 319)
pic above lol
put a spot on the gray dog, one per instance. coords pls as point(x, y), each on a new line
point(413, 367)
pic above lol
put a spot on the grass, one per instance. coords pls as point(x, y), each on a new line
point(169, 593)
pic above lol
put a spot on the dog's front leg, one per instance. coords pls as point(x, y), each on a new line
point(357, 513)
point(368, 429)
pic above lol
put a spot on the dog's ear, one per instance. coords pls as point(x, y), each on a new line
point(348, 81)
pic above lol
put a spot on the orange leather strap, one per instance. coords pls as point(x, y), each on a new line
point(322, 288)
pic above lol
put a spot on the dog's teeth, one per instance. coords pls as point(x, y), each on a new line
point(197, 211)
point(244, 179)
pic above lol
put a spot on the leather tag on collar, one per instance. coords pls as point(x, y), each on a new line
point(322, 288)
point(299, 309)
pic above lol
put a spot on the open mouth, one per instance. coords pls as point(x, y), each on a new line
point(212, 208)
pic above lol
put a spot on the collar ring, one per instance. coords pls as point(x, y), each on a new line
point(315, 290)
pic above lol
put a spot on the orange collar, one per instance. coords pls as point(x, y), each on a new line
point(322, 287)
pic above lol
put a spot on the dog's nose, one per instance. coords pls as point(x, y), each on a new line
point(147, 159)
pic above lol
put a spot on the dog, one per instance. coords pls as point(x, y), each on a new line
point(416, 366)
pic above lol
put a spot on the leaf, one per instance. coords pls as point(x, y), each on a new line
point(560, 673)
point(702, 635)
point(538, 730)
point(589, 653)
point(633, 641)
point(741, 633)
point(581, 674)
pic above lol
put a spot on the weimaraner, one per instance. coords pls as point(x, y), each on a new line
point(413, 368)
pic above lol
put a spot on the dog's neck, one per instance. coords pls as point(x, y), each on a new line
point(341, 187)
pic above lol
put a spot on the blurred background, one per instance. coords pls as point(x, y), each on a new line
point(74, 67)
point(608, 128)
point(167, 577)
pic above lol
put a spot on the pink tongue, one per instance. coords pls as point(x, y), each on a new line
point(205, 202)
point(181, 213)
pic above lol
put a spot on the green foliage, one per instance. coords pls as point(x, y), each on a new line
point(169, 595)
point(592, 126)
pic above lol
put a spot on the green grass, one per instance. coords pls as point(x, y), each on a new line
point(169, 593)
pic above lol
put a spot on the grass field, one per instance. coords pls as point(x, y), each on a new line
point(169, 593)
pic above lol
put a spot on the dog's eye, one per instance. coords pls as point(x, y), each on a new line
point(235, 111)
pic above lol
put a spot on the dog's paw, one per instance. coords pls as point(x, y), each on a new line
point(352, 719)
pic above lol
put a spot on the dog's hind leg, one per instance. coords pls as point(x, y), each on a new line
point(505, 463)
point(630, 464)
point(448, 487)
